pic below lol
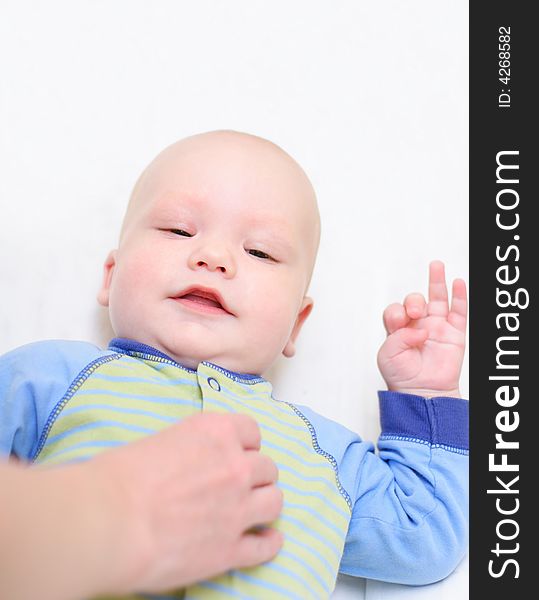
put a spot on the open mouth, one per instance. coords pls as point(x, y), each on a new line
point(202, 299)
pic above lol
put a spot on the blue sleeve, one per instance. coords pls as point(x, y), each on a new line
point(409, 520)
point(33, 379)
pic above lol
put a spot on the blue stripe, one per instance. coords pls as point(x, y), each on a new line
point(129, 411)
point(254, 395)
point(98, 425)
point(259, 411)
point(290, 556)
point(320, 496)
point(317, 536)
point(303, 478)
point(255, 392)
point(319, 517)
point(326, 465)
point(218, 587)
point(144, 379)
point(163, 400)
point(92, 444)
point(289, 438)
point(266, 585)
point(80, 458)
point(315, 553)
point(275, 566)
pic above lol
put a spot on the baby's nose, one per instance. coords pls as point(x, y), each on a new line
point(214, 259)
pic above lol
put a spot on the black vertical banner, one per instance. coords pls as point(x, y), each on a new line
point(504, 267)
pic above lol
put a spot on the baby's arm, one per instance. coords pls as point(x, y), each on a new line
point(409, 520)
point(409, 502)
point(33, 379)
point(410, 516)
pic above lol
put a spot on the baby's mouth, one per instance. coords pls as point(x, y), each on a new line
point(203, 299)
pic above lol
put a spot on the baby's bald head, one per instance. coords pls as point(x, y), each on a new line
point(216, 253)
point(224, 160)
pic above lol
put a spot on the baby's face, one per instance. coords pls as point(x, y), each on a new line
point(216, 254)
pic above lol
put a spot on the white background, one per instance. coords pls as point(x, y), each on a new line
point(370, 98)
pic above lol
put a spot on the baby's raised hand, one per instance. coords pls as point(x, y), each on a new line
point(425, 342)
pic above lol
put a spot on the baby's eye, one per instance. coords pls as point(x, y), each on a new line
point(259, 254)
point(181, 232)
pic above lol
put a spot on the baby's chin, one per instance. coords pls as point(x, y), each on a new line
point(235, 364)
point(191, 348)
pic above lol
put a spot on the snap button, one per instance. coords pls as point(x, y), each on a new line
point(214, 384)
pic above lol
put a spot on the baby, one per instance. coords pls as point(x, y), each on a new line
point(206, 289)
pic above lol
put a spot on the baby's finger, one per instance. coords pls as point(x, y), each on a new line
point(459, 305)
point(395, 317)
point(415, 305)
point(404, 339)
point(438, 305)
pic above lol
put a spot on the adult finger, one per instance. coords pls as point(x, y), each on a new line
point(246, 429)
point(395, 317)
point(437, 290)
point(258, 547)
point(263, 506)
point(459, 305)
point(263, 470)
point(415, 306)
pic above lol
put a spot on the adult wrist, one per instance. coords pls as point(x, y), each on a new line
point(95, 516)
point(63, 527)
point(120, 540)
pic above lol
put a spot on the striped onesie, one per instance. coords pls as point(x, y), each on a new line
point(399, 514)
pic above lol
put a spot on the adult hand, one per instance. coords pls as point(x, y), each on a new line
point(424, 348)
point(166, 511)
point(192, 497)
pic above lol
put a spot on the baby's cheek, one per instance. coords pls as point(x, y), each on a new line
point(129, 285)
point(277, 320)
point(140, 266)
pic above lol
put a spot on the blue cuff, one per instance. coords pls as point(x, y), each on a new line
point(440, 421)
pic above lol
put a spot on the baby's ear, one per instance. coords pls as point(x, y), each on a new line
point(305, 310)
point(108, 269)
